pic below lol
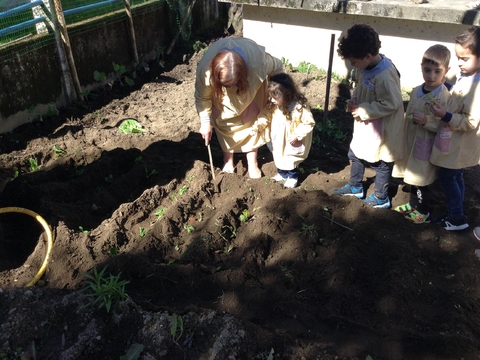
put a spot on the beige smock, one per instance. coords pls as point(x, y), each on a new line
point(457, 143)
point(378, 128)
point(279, 128)
point(233, 116)
point(415, 168)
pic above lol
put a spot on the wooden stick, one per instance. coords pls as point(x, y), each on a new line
point(131, 28)
point(211, 161)
point(329, 80)
point(331, 219)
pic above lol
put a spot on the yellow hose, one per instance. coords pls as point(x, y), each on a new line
point(49, 237)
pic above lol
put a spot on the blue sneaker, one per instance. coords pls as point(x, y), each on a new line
point(348, 190)
point(377, 203)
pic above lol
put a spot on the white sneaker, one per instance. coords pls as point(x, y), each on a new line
point(290, 183)
point(278, 178)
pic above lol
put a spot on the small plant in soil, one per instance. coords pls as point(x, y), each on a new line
point(113, 251)
point(109, 178)
point(131, 126)
point(133, 353)
point(159, 213)
point(189, 228)
point(244, 216)
point(34, 165)
point(58, 152)
point(308, 230)
point(105, 291)
point(82, 230)
point(176, 329)
point(143, 232)
point(148, 175)
point(119, 71)
point(138, 160)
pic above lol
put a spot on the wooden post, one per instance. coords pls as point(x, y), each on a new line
point(329, 80)
point(133, 41)
point(62, 25)
point(67, 80)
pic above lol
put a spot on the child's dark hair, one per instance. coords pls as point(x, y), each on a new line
point(437, 55)
point(282, 88)
point(470, 39)
point(360, 41)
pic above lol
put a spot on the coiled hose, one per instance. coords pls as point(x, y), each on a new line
point(49, 237)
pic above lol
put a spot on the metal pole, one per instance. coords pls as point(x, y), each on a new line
point(329, 80)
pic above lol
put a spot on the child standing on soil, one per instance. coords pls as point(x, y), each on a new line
point(377, 108)
point(457, 144)
point(291, 125)
point(415, 168)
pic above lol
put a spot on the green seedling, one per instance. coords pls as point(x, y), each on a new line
point(176, 330)
point(113, 251)
point(105, 291)
point(109, 178)
point(131, 126)
point(120, 70)
point(189, 228)
point(182, 190)
point(99, 76)
point(58, 152)
point(151, 173)
point(138, 160)
point(34, 165)
point(159, 213)
point(410, 117)
point(82, 230)
point(79, 171)
point(143, 232)
point(133, 353)
point(199, 216)
point(244, 216)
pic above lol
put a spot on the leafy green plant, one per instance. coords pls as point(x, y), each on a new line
point(58, 152)
point(286, 64)
point(176, 329)
point(182, 190)
point(199, 46)
point(82, 230)
point(329, 132)
point(105, 291)
point(305, 67)
point(138, 160)
point(151, 173)
point(34, 165)
point(99, 76)
point(143, 232)
point(120, 70)
point(189, 228)
point(131, 126)
point(109, 178)
point(244, 216)
point(159, 213)
point(113, 251)
point(133, 353)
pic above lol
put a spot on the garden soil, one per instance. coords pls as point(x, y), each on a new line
point(218, 267)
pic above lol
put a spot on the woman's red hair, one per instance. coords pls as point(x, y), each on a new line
point(228, 68)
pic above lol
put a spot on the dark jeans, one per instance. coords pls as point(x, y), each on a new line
point(287, 174)
point(383, 173)
point(454, 188)
point(419, 196)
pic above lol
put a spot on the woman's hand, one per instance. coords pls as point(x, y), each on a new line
point(206, 131)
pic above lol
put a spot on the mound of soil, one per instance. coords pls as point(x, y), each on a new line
point(224, 267)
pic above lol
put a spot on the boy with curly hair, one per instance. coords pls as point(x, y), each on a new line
point(377, 108)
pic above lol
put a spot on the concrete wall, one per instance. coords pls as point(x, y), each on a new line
point(31, 84)
point(303, 33)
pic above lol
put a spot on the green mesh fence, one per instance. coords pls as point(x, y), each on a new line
point(26, 25)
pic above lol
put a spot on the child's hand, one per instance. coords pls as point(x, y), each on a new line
point(419, 117)
point(352, 105)
point(437, 110)
point(292, 139)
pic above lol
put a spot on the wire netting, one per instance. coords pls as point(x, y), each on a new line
point(27, 25)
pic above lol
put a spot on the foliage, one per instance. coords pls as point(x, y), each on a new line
point(34, 165)
point(105, 291)
point(329, 132)
point(120, 70)
point(244, 216)
point(131, 126)
point(133, 353)
point(143, 232)
point(189, 228)
point(159, 213)
point(82, 230)
point(176, 330)
point(58, 152)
